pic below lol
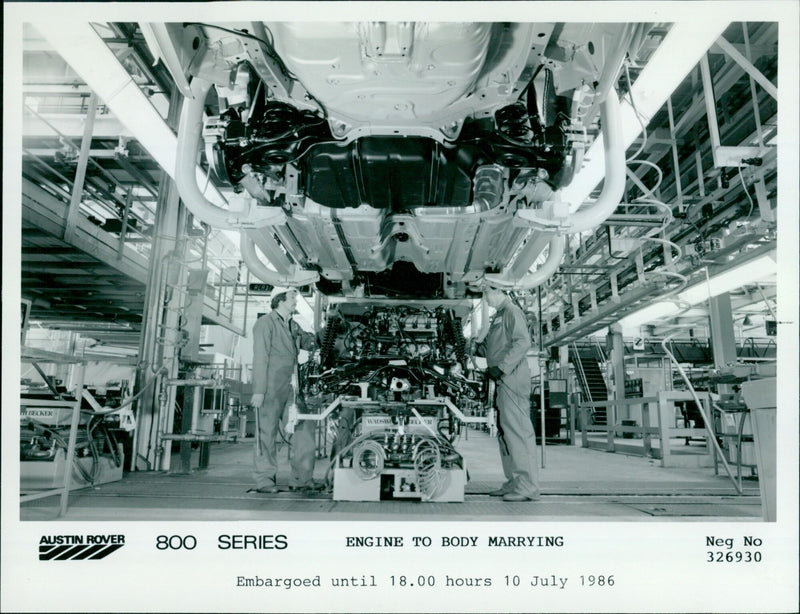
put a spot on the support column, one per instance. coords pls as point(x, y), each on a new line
point(563, 370)
point(155, 408)
point(74, 212)
point(563, 361)
point(617, 359)
point(723, 338)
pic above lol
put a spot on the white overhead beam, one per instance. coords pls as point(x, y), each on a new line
point(678, 53)
point(84, 50)
point(105, 126)
point(748, 67)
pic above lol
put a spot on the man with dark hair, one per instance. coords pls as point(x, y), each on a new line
point(277, 339)
point(505, 345)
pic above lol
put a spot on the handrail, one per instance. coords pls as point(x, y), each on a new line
point(579, 367)
point(757, 348)
point(708, 424)
point(621, 402)
point(600, 351)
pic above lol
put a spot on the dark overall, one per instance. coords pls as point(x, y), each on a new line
point(276, 343)
point(506, 346)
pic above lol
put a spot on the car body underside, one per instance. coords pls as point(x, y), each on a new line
point(391, 158)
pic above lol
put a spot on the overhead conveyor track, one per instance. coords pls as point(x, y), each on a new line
point(705, 202)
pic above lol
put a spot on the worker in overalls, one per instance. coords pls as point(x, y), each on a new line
point(505, 345)
point(277, 340)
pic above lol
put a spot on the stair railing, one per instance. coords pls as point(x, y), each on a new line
point(581, 373)
point(601, 358)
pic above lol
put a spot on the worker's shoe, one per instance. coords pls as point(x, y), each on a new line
point(267, 490)
point(503, 490)
point(515, 497)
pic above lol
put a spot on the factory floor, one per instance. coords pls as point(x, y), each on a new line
point(578, 484)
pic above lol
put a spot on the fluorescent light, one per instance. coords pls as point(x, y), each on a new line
point(752, 271)
point(643, 316)
point(678, 53)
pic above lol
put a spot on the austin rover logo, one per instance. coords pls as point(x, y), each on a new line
point(78, 547)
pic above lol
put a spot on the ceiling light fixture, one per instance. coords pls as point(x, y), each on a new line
point(654, 311)
point(761, 268)
point(754, 270)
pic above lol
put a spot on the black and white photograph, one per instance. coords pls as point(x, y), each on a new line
point(425, 306)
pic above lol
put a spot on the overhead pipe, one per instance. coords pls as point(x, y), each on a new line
point(299, 277)
point(613, 184)
point(190, 129)
point(675, 57)
point(614, 181)
point(537, 277)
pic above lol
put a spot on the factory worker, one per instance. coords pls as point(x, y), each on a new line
point(505, 343)
point(277, 339)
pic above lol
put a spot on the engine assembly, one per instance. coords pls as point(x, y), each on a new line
point(392, 380)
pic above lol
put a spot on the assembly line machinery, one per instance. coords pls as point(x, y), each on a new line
point(389, 169)
point(394, 379)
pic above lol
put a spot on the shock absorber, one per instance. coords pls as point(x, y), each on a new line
point(331, 330)
point(455, 336)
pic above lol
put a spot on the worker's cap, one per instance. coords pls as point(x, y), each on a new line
point(484, 284)
point(278, 290)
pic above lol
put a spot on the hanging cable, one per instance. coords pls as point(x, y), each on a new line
point(368, 459)
point(747, 192)
point(650, 191)
point(335, 459)
point(427, 460)
point(60, 441)
point(671, 244)
point(106, 411)
point(638, 115)
point(48, 382)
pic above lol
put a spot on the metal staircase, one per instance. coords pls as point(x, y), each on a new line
point(587, 365)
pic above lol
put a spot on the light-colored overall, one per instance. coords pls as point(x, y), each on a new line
point(506, 346)
point(276, 343)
